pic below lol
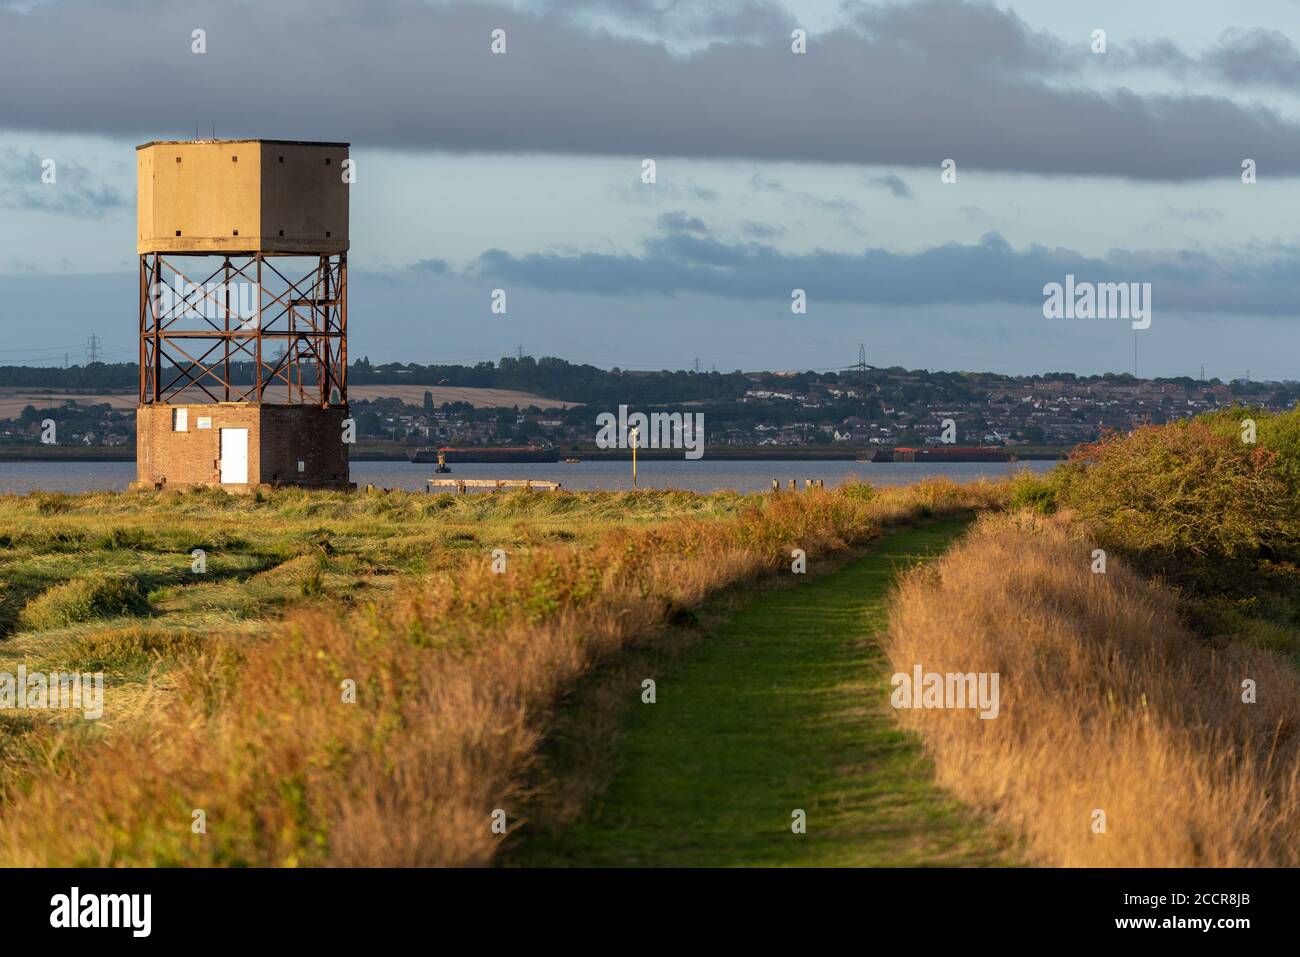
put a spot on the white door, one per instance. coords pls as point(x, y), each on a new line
point(234, 456)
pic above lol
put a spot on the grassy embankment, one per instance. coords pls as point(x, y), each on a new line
point(782, 705)
point(1161, 692)
point(226, 694)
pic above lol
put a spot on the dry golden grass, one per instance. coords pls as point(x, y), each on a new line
point(1107, 703)
point(456, 676)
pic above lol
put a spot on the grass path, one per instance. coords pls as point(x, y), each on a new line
point(784, 706)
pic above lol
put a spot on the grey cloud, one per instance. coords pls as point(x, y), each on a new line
point(438, 267)
point(1240, 58)
point(1193, 214)
point(1255, 282)
point(678, 221)
point(971, 36)
point(798, 197)
point(75, 190)
point(696, 23)
point(408, 74)
point(1161, 54)
point(762, 230)
point(1256, 58)
point(844, 207)
point(665, 188)
point(892, 183)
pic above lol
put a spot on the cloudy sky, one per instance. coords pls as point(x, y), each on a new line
point(775, 171)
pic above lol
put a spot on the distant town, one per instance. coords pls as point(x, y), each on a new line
point(522, 401)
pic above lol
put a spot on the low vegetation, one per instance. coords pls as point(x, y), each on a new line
point(1195, 505)
point(175, 568)
point(359, 680)
point(1142, 606)
point(455, 668)
point(1110, 706)
point(84, 598)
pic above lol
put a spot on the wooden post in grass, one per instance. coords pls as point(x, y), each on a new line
point(633, 435)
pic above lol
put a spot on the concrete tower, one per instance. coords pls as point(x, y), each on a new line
point(243, 313)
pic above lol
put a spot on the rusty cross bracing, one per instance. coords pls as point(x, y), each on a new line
point(252, 327)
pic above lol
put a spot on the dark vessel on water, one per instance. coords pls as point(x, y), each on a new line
point(944, 453)
point(452, 455)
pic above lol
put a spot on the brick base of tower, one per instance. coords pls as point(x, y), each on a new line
point(181, 445)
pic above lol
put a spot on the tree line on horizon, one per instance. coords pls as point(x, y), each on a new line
point(560, 379)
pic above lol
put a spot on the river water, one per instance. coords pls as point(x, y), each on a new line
point(702, 475)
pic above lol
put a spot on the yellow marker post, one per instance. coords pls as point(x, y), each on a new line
point(632, 436)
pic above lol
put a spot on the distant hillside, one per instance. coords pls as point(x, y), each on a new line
point(14, 399)
point(558, 379)
point(551, 382)
point(479, 398)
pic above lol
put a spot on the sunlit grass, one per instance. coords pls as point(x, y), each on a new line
point(226, 694)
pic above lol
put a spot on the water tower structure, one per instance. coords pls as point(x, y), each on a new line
point(243, 314)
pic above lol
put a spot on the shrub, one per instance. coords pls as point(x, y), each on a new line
point(1188, 489)
point(1035, 492)
point(859, 491)
point(1277, 432)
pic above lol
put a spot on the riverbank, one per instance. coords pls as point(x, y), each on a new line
point(703, 475)
point(368, 452)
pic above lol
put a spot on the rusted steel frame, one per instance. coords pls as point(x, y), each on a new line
point(171, 343)
point(342, 374)
point(186, 371)
point(261, 296)
point(241, 344)
point(155, 368)
point(320, 309)
point(283, 368)
point(146, 309)
point(178, 310)
point(324, 373)
point(285, 298)
point(225, 284)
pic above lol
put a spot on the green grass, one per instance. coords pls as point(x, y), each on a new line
point(782, 707)
point(105, 580)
